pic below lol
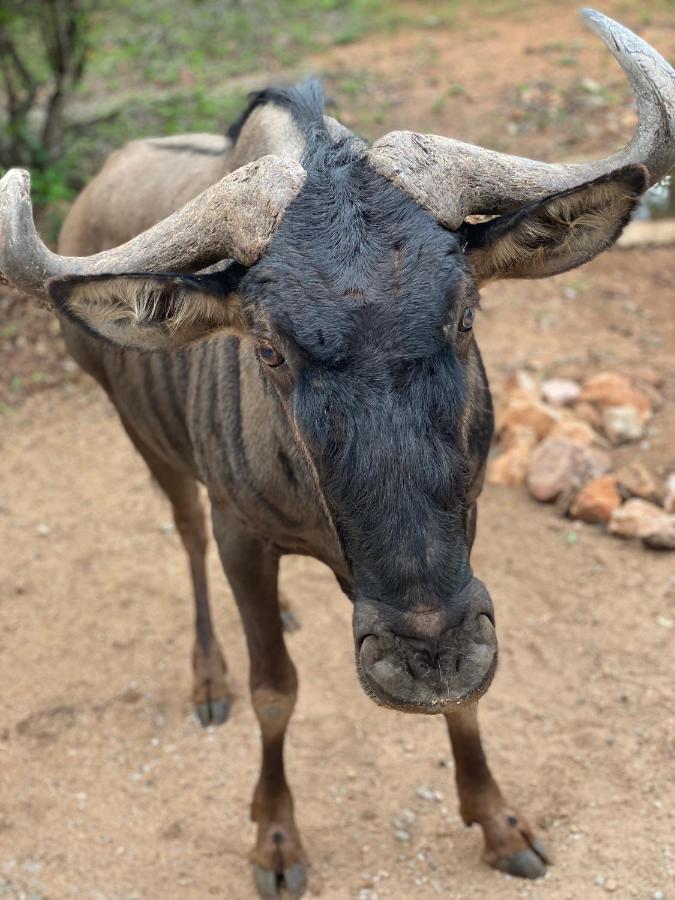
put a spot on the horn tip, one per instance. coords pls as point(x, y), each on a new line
point(16, 180)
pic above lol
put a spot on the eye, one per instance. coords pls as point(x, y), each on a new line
point(468, 316)
point(269, 354)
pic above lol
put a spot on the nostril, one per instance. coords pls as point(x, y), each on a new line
point(485, 629)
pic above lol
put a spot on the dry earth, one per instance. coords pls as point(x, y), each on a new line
point(109, 789)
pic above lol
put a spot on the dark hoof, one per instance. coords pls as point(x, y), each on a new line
point(213, 712)
point(289, 620)
point(270, 884)
point(526, 863)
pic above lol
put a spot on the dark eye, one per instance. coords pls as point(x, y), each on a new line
point(269, 354)
point(468, 317)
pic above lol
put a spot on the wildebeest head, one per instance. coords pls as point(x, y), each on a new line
point(357, 286)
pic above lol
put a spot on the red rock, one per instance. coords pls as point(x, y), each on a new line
point(560, 391)
point(614, 389)
point(557, 465)
point(510, 468)
point(532, 414)
point(635, 481)
point(635, 518)
point(596, 501)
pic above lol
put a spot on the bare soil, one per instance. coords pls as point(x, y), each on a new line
point(109, 790)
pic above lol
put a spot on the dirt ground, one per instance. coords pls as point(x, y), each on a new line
point(109, 790)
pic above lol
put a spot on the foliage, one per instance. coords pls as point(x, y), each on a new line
point(42, 58)
point(152, 67)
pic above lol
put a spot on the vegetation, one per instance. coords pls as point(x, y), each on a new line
point(77, 79)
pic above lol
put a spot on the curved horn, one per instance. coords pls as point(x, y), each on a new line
point(452, 179)
point(233, 219)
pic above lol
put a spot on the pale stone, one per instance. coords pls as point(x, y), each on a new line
point(596, 501)
point(522, 384)
point(558, 464)
point(661, 533)
point(560, 391)
point(622, 424)
point(636, 481)
point(669, 495)
point(635, 518)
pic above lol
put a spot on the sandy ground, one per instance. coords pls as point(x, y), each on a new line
point(108, 788)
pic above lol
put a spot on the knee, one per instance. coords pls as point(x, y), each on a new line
point(274, 705)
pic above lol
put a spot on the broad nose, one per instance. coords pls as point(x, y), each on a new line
point(427, 659)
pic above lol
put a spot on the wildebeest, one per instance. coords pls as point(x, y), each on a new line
point(298, 338)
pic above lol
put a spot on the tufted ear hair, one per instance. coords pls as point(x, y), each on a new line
point(152, 312)
point(558, 233)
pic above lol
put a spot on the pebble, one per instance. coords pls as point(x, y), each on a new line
point(426, 793)
point(636, 481)
point(527, 413)
point(508, 469)
point(597, 500)
point(557, 465)
point(609, 389)
point(577, 431)
point(622, 424)
point(402, 835)
point(560, 391)
point(662, 533)
point(610, 886)
point(658, 895)
point(669, 497)
point(635, 518)
point(521, 384)
point(405, 818)
point(43, 529)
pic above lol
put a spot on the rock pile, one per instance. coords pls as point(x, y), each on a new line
point(556, 437)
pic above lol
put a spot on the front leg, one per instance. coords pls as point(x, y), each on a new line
point(252, 568)
point(510, 844)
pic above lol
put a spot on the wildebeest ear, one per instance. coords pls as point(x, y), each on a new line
point(151, 312)
point(558, 233)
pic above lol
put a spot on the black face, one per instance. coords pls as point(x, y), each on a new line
point(363, 311)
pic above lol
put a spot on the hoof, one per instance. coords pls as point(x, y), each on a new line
point(289, 621)
point(213, 712)
point(526, 863)
point(270, 883)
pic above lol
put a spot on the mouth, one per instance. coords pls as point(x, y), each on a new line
point(424, 699)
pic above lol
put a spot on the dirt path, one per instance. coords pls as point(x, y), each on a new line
point(108, 789)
